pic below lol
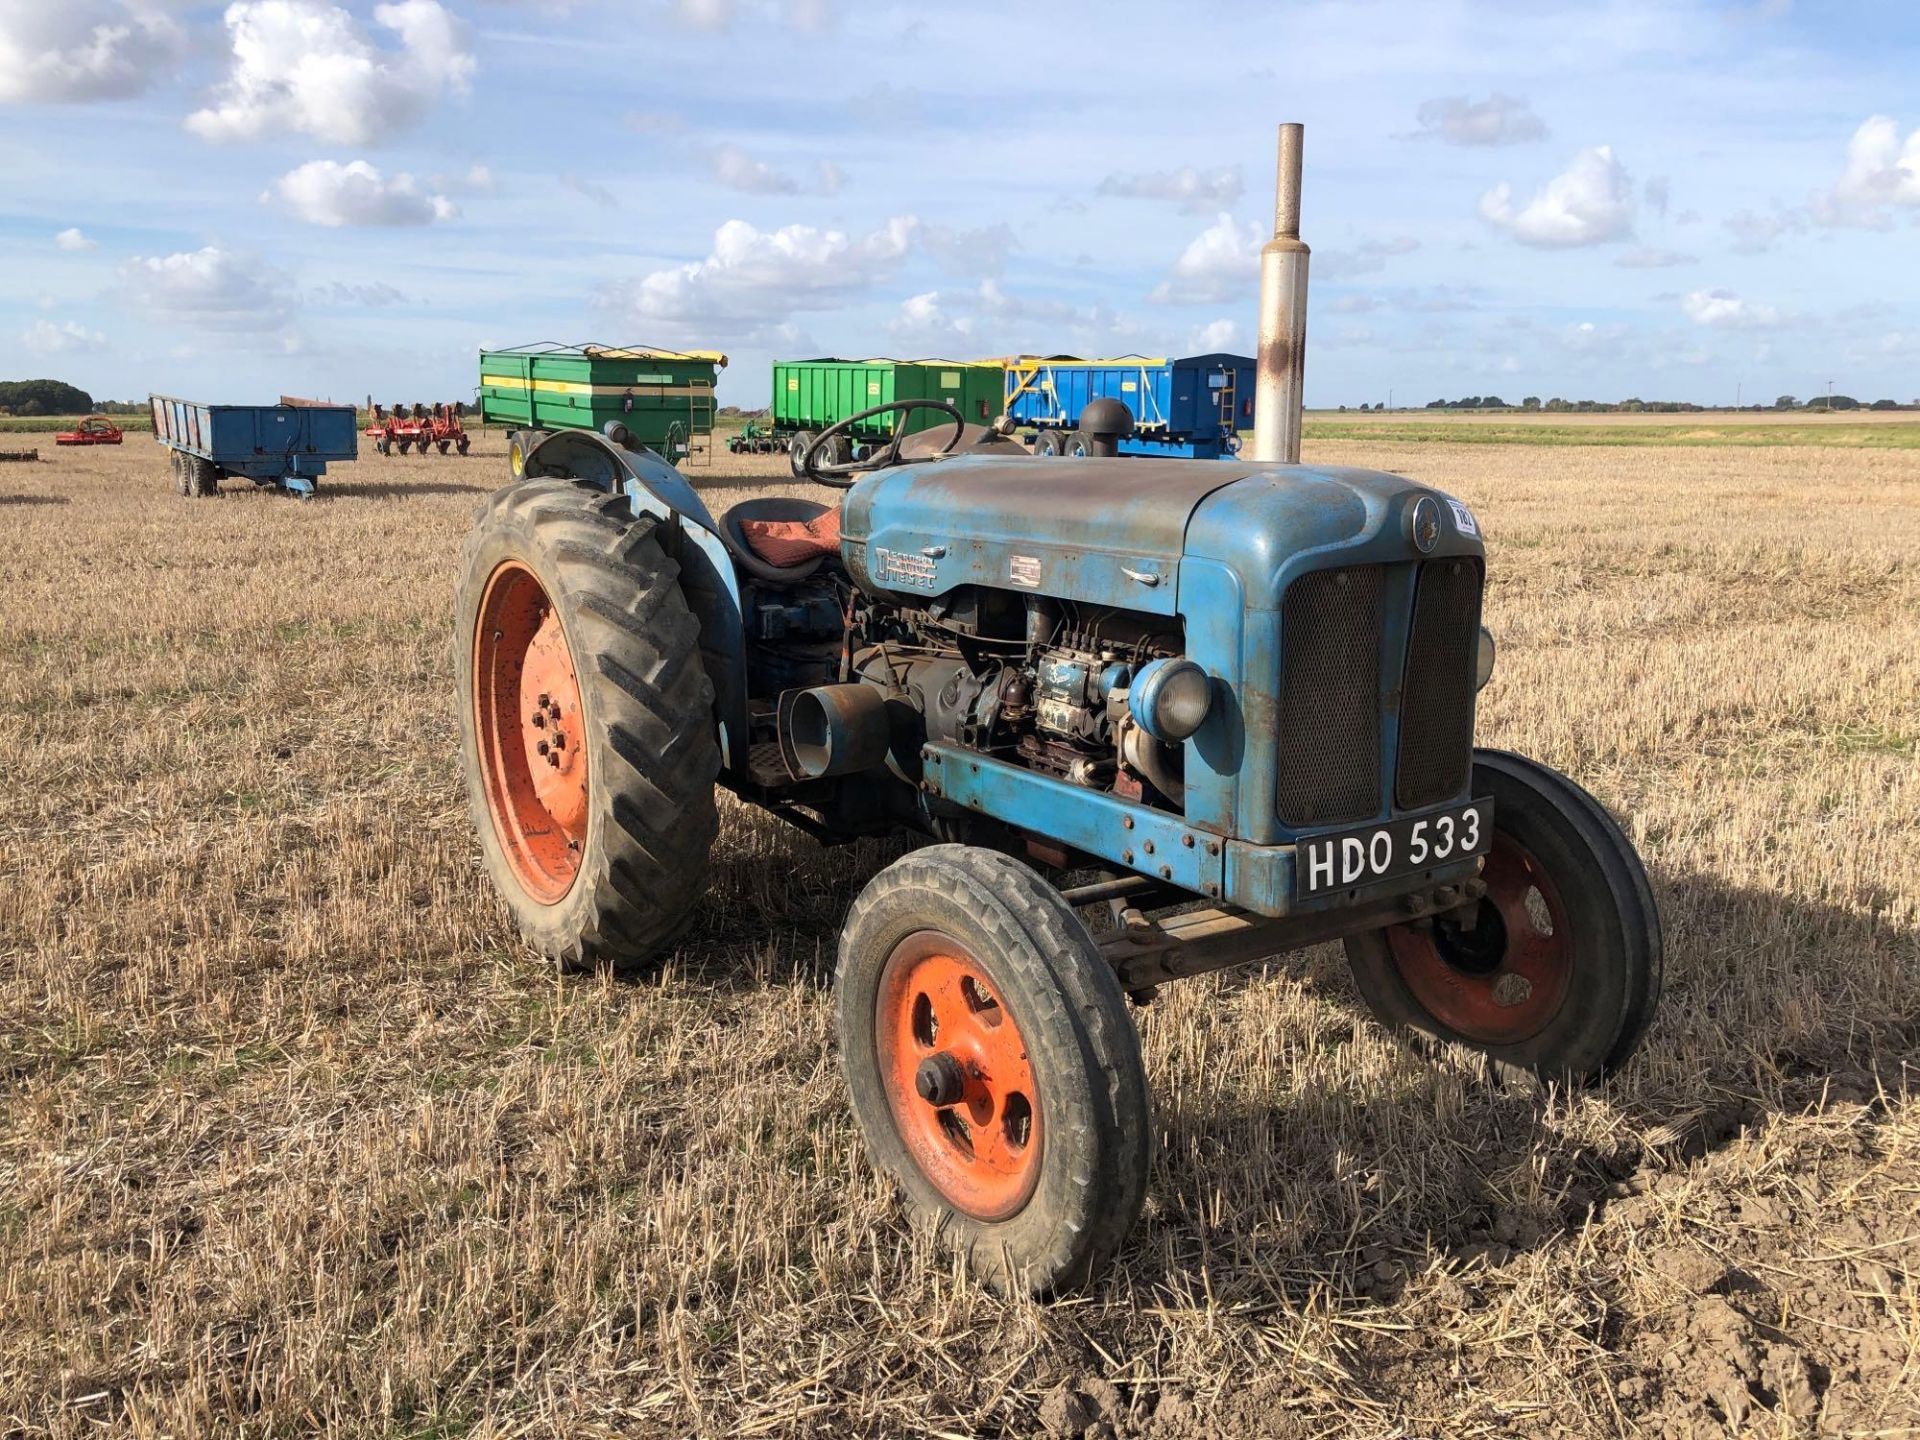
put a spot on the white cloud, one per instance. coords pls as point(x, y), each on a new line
point(1497, 120)
point(925, 325)
point(44, 337)
point(307, 66)
point(1220, 263)
point(375, 296)
point(325, 192)
point(211, 288)
point(764, 276)
point(1218, 336)
point(1650, 258)
point(1725, 310)
point(75, 239)
point(1881, 172)
point(1198, 191)
point(1589, 203)
point(78, 50)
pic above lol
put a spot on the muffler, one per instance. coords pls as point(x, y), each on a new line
point(833, 730)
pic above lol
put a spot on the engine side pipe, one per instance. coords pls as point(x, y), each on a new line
point(1280, 377)
point(833, 730)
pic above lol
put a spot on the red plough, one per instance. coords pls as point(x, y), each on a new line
point(419, 427)
point(94, 430)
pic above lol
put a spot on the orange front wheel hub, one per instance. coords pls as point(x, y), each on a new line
point(958, 1077)
point(531, 732)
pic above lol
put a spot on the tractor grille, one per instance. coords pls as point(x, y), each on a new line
point(1436, 712)
point(1330, 627)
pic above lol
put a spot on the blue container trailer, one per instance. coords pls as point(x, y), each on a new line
point(288, 444)
point(1191, 408)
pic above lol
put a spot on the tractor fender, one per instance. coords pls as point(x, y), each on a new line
point(708, 578)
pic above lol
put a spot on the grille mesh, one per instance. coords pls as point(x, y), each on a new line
point(1436, 715)
point(1330, 625)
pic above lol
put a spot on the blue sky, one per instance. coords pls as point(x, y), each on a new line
point(1585, 199)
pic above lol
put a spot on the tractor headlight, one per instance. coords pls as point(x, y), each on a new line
point(1170, 698)
point(1483, 659)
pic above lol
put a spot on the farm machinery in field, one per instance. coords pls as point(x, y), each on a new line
point(419, 428)
point(756, 437)
point(1157, 716)
point(94, 430)
point(287, 445)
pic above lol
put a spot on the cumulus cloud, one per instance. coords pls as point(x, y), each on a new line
point(325, 192)
point(80, 50)
point(925, 325)
point(1220, 263)
point(75, 239)
point(1497, 120)
point(307, 66)
point(375, 296)
point(44, 337)
point(1198, 191)
point(1724, 310)
point(212, 289)
point(1588, 203)
point(764, 276)
point(1881, 172)
point(1217, 336)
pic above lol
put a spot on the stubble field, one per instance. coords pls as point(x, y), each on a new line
point(295, 1137)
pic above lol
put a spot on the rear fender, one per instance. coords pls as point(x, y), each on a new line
point(653, 487)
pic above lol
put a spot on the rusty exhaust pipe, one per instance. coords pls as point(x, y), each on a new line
point(1279, 391)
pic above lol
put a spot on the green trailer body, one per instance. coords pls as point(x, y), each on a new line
point(809, 395)
point(663, 397)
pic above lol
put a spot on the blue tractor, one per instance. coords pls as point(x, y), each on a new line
point(1157, 716)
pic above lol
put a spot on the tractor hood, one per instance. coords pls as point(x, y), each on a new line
point(1112, 532)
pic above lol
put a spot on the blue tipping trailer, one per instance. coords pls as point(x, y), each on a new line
point(1191, 408)
point(288, 444)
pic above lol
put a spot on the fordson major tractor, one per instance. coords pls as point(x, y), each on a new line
point(1227, 704)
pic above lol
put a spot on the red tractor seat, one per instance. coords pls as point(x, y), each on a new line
point(791, 540)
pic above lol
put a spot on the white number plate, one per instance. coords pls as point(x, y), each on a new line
point(1327, 863)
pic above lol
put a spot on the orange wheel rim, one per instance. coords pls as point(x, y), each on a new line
point(958, 1077)
point(1502, 980)
point(532, 734)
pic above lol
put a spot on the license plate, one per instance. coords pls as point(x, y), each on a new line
point(1327, 863)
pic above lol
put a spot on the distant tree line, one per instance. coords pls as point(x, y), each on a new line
point(43, 397)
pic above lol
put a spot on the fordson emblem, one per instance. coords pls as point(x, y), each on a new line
point(1426, 524)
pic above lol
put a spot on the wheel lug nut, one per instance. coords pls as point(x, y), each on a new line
point(539, 719)
point(544, 702)
point(939, 1081)
point(542, 747)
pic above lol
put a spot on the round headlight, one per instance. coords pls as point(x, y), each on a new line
point(1170, 698)
point(1483, 659)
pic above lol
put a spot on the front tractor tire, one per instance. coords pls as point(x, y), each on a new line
point(993, 1067)
point(1557, 970)
point(586, 723)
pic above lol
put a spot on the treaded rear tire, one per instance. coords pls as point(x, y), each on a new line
point(1081, 1042)
point(203, 477)
point(647, 703)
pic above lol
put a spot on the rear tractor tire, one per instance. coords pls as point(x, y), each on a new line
point(586, 723)
point(993, 1067)
point(1557, 972)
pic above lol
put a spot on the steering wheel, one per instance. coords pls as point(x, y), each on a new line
point(841, 476)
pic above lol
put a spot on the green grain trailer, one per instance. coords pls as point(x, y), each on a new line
point(663, 397)
point(809, 395)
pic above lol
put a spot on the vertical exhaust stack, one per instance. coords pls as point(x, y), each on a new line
point(1279, 384)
